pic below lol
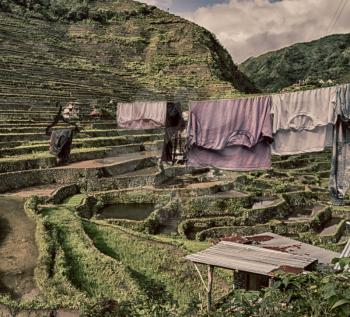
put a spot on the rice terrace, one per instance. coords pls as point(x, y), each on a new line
point(144, 173)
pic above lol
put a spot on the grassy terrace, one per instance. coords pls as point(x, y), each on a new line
point(23, 151)
point(99, 266)
point(82, 262)
point(19, 147)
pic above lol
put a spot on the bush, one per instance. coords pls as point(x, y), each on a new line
point(78, 13)
point(59, 11)
point(314, 295)
point(100, 16)
point(5, 6)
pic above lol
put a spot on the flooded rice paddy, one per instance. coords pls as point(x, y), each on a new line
point(130, 211)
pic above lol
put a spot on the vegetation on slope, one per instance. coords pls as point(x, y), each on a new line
point(102, 270)
point(159, 268)
point(314, 294)
point(325, 59)
point(122, 50)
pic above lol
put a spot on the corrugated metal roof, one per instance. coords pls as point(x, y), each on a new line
point(249, 258)
point(291, 246)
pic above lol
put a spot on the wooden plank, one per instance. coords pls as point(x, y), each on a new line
point(248, 258)
point(237, 265)
point(210, 285)
point(257, 257)
point(256, 254)
point(201, 277)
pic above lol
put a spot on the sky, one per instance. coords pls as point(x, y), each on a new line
point(253, 27)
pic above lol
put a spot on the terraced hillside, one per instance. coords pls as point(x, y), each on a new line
point(112, 230)
point(103, 50)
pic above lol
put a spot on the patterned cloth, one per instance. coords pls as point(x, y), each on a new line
point(340, 171)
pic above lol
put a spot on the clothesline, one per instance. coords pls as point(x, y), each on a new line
point(236, 133)
point(241, 134)
point(245, 96)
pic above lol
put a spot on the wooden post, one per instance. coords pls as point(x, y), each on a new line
point(210, 285)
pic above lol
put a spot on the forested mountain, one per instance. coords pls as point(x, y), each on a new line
point(313, 63)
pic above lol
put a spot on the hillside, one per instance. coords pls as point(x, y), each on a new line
point(320, 60)
point(102, 50)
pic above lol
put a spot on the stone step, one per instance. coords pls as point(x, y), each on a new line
point(45, 160)
point(81, 143)
point(24, 115)
point(331, 227)
point(30, 123)
point(39, 128)
point(92, 170)
point(9, 137)
point(28, 112)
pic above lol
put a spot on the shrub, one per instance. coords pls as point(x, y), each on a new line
point(78, 13)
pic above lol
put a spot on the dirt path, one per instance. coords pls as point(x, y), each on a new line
point(108, 161)
point(18, 251)
point(44, 190)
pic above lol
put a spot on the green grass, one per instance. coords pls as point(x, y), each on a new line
point(82, 263)
point(157, 266)
point(92, 273)
point(74, 200)
point(326, 58)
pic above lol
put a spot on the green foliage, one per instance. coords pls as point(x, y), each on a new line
point(71, 10)
point(103, 271)
point(313, 295)
point(78, 13)
point(5, 6)
point(158, 268)
point(323, 59)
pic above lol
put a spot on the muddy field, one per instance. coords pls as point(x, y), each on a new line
point(18, 251)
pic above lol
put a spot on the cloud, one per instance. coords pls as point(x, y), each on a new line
point(162, 4)
point(252, 27)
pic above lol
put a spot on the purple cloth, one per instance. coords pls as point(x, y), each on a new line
point(141, 115)
point(231, 134)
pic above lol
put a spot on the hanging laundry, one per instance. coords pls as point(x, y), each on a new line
point(303, 121)
point(60, 144)
point(173, 126)
point(230, 134)
point(141, 115)
point(340, 170)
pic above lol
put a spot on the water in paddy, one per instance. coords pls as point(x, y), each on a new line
point(169, 227)
point(132, 211)
point(18, 251)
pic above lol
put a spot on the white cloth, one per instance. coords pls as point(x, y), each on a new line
point(303, 121)
point(141, 115)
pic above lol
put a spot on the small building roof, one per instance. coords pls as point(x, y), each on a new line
point(291, 246)
point(248, 258)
